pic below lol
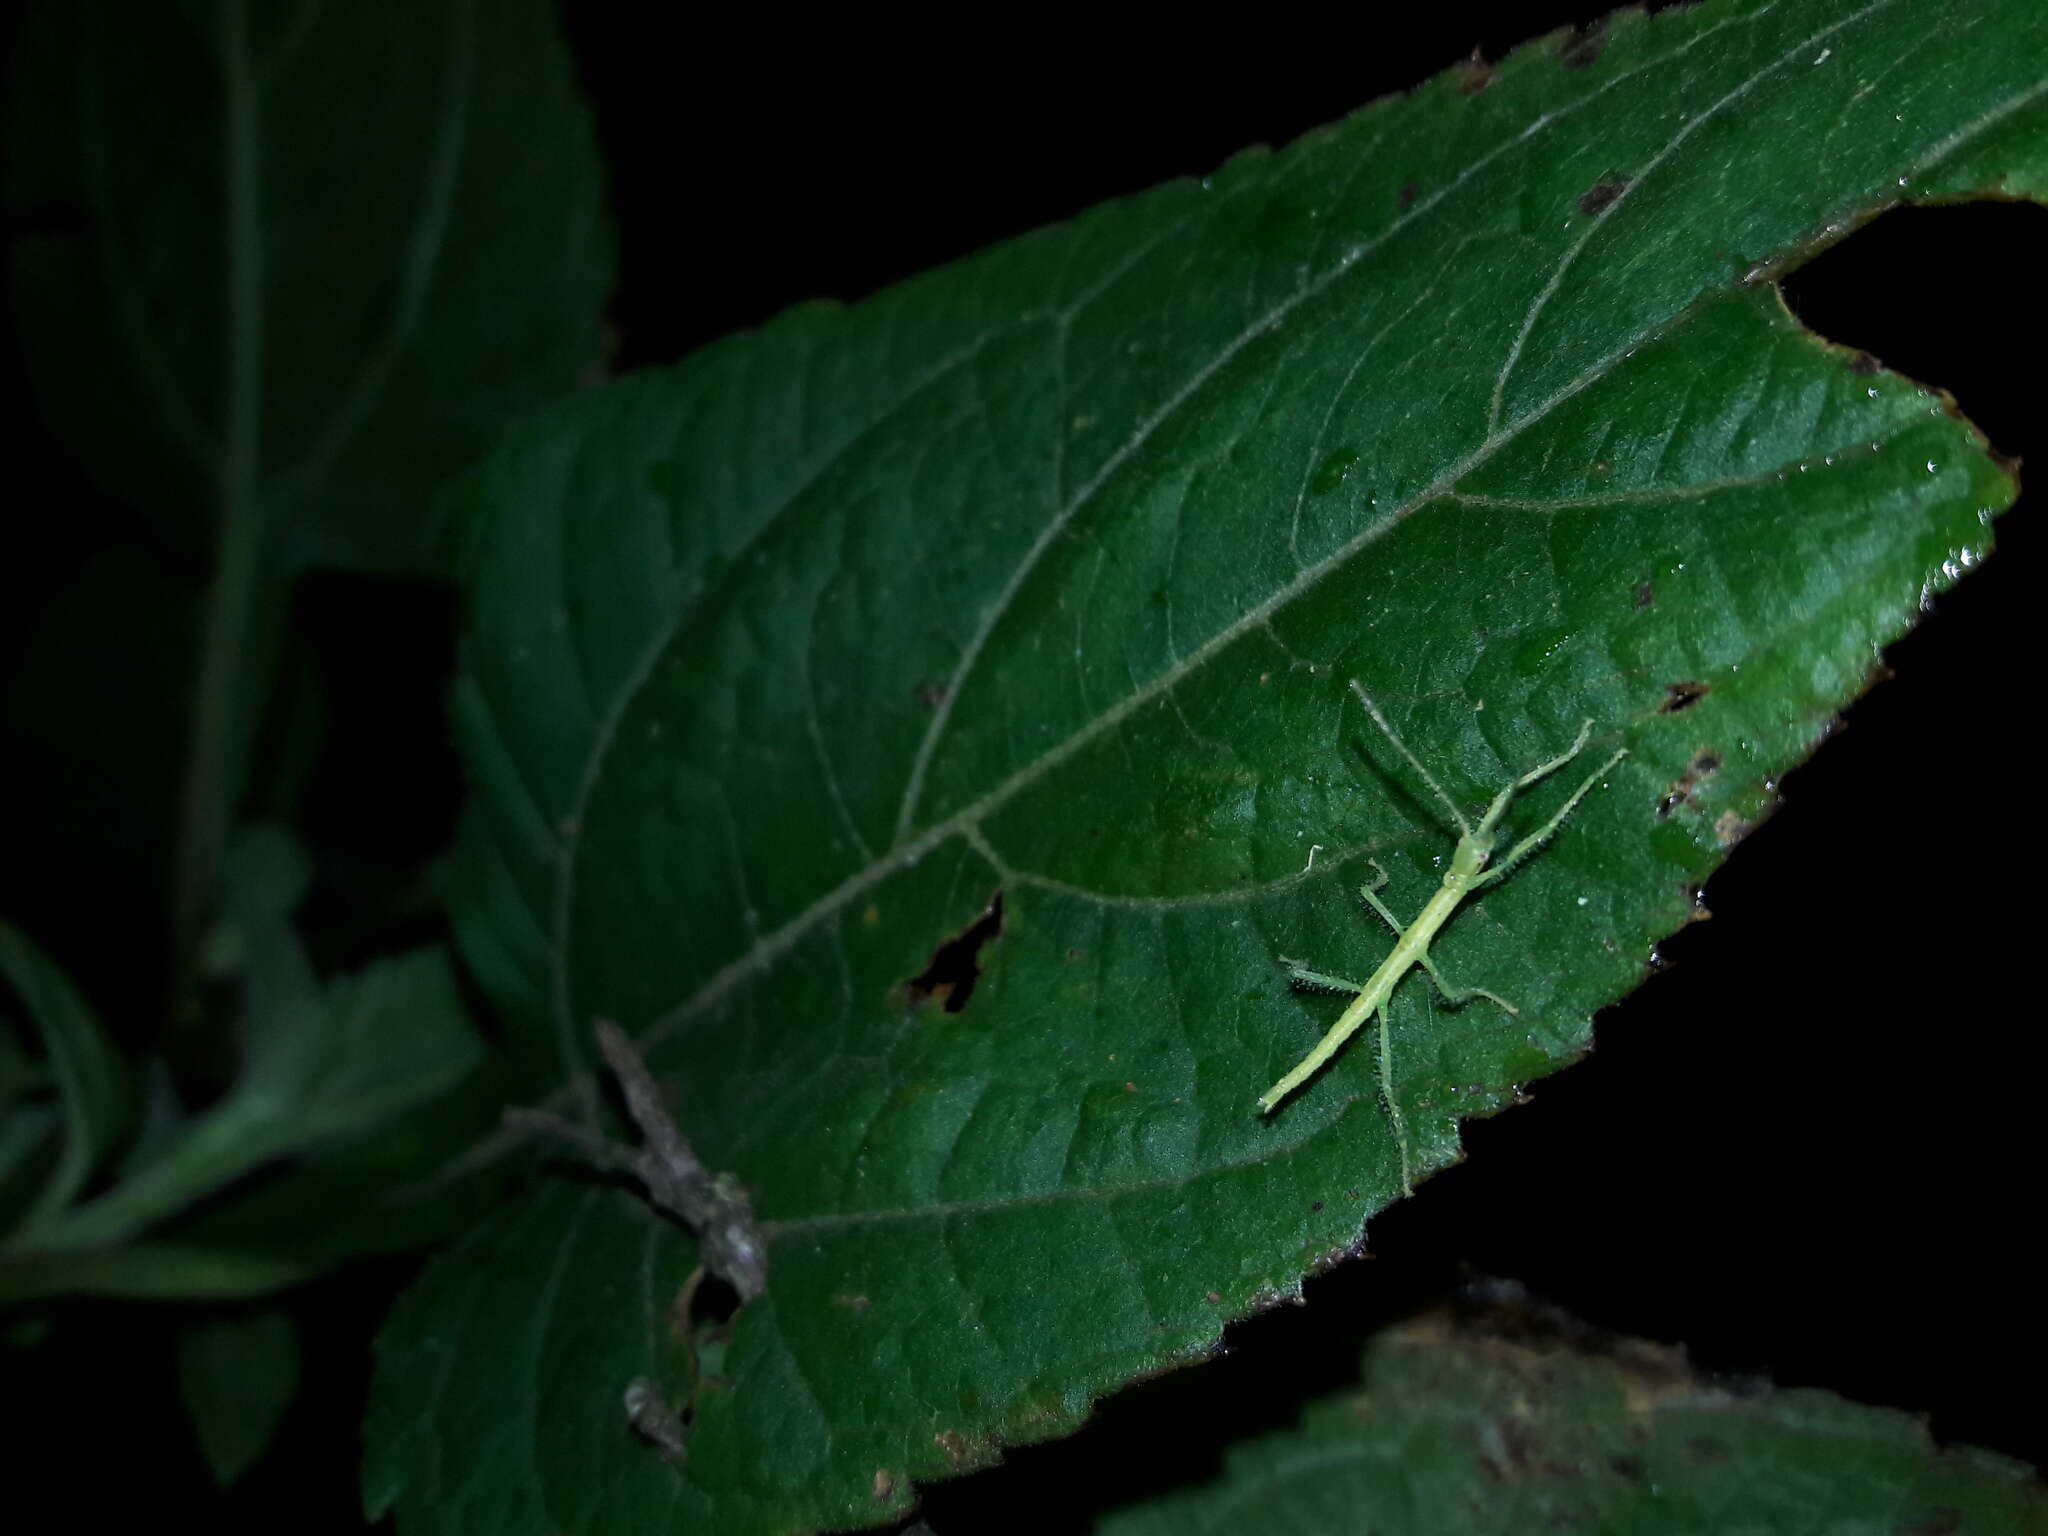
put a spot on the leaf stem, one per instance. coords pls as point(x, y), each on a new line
point(214, 766)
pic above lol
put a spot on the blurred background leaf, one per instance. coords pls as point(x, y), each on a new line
point(427, 246)
point(1499, 1416)
point(278, 271)
point(239, 1375)
point(323, 1062)
point(96, 1101)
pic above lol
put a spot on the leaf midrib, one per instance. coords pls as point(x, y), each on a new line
point(769, 947)
point(1084, 496)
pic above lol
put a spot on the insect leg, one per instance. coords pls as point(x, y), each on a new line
point(1455, 995)
point(1544, 770)
point(1302, 976)
point(1457, 816)
point(1542, 834)
point(1393, 1103)
point(1373, 901)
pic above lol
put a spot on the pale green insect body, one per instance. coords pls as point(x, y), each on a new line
point(1468, 872)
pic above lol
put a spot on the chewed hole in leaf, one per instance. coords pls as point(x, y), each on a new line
point(955, 966)
point(709, 1302)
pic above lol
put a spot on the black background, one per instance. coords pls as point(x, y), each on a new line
point(1807, 1150)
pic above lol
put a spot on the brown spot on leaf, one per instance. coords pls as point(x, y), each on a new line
point(1474, 74)
point(1582, 45)
point(1602, 193)
point(1863, 362)
point(931, 693)
point(1517, 1449)
point(1410, 190)
point(954, 1444)
point(885, 1483)
point(1703, 767)
point(955, 965)
point(1679, 697)
point(854, 1304)
point(1646, 594)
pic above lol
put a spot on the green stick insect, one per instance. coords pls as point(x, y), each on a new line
point(1468, 872)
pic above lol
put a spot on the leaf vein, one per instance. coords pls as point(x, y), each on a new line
point(1641, 175)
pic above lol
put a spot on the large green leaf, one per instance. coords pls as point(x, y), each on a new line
point(1041, 578)
point(1510, 1421)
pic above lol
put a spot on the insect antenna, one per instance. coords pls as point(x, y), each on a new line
point(1464, 826)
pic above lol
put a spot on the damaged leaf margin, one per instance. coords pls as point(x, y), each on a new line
point(1146, 489)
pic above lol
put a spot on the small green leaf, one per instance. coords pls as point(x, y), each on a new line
point(376, 1079)
point(92, 1080)
point(385, 1037)
point(1474, 1430)
point(914, 723)
point(266, 877)
point(340, 1063)
point(388, 1188)
point(239, 1375)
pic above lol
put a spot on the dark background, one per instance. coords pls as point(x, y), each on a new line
point(1806, 1151)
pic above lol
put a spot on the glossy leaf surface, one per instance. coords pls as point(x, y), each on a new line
point(914, 722)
